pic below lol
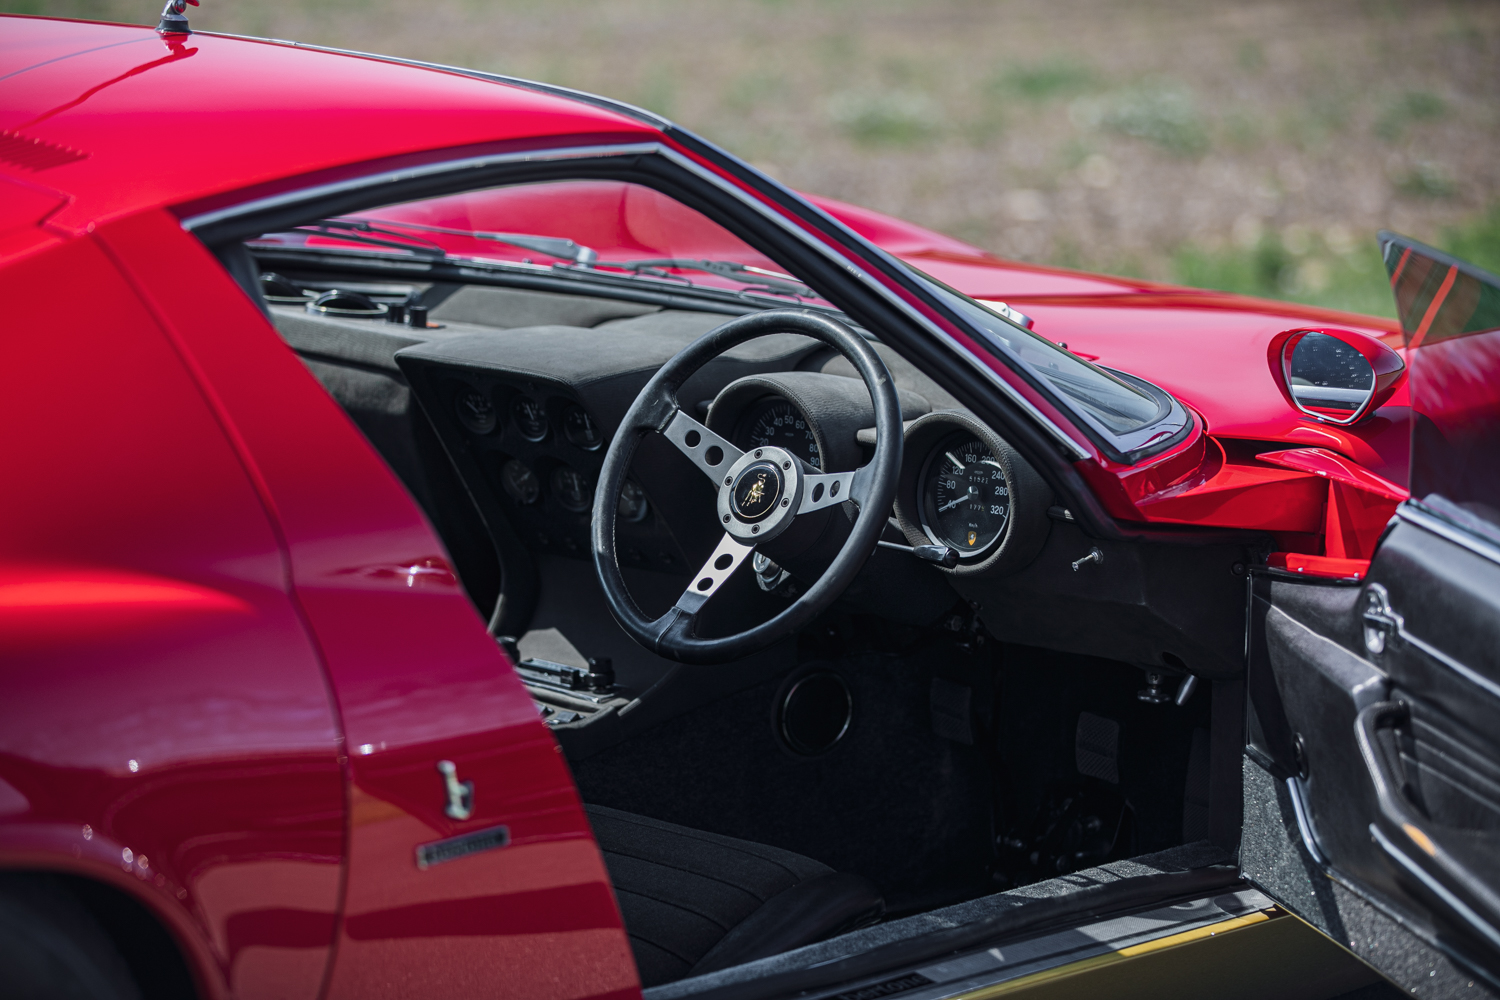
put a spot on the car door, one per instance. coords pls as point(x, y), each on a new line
point(469, 864)
point(1372, 771)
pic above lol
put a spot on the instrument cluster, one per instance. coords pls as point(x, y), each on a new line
point(542, 453)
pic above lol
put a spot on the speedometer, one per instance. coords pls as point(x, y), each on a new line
point(965, 496)
point(775, 421)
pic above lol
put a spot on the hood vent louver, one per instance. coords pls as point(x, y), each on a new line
point(35, 154)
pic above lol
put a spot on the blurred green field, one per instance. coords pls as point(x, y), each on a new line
point(1252, 146)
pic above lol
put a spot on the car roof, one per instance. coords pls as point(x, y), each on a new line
point(120, 119)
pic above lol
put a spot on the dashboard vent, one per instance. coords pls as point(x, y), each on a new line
point(34, 154)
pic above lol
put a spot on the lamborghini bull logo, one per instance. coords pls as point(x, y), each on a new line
point(756, 491)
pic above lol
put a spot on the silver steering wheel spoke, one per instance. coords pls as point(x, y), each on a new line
point(720, 567)
point(825, 489)
point(707, 450)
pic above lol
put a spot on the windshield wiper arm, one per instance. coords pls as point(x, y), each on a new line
point(352, 231)
point(552, 246)
point(771, 281)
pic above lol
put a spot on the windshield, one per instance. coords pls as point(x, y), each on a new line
point(610, 227)
point(1115, 404)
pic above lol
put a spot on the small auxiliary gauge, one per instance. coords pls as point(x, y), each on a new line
point(476, 410)
point(530, 418)
point(520, 482)
point(580, 429)
point(633, 505)
point(571, 489)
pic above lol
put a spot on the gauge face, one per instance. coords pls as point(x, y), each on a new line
point(520, 482)
point(777, 422)
point(572, 489)
point(581, 430)
point(633, 506)
point(530, 418)
point(476, 411)
point(965, 498)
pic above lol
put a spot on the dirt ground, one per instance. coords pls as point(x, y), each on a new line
point(1256, 145)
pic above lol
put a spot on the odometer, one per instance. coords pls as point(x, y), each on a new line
point(777, 422)
point(965, 497)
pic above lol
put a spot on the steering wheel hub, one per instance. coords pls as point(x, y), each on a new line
point(759, 494)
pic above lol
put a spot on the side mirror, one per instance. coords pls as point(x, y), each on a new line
point(1334, 376)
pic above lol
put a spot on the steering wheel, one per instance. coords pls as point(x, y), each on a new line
point(760, 492)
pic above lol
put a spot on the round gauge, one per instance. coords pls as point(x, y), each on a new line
point(965, 498)
point(520, 482)
point(774, 421)
point(572, 489)
point(476, 410)
point(530, 418)
point(633, 505)
point(581, 429)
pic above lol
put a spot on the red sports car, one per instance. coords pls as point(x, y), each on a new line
point(464, 537)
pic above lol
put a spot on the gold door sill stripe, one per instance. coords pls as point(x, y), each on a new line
point(1019, 963)
point(1124, 954)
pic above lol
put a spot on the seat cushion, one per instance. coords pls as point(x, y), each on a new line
point(682, 892)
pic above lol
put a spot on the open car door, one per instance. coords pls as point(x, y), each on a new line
point(1372, 770)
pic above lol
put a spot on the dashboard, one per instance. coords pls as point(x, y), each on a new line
point(524, 414)
point(531, 445)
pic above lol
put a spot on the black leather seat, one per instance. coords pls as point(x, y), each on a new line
point(694, 902)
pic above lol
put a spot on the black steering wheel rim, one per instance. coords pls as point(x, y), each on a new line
point(656, 409)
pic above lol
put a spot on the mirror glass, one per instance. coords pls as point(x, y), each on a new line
point(1328, 378)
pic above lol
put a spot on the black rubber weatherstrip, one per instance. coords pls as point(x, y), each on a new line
point(1036, 916)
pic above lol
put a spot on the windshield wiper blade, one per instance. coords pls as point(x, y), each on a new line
point(552, 246)
point(354, 233)
point(771, 281)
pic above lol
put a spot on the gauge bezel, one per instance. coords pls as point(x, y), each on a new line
point(932, 455)
point(515, 401)
point(1027, 527)
point(567, 413)
point(556, 493)
point(463, 389)
point(645, 508)
point(505, 483)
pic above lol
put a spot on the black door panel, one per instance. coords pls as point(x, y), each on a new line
point(1371, 706)
point(1432, 623)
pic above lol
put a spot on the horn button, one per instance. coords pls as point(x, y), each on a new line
point(755, 492)
point(759, 494)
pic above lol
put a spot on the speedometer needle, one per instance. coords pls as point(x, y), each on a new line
point(951, 504)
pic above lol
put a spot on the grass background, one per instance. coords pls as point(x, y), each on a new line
point(1250, 146)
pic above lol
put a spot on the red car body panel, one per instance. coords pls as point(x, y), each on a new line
point(235, 649)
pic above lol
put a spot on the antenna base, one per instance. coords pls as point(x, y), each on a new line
point(172, 20)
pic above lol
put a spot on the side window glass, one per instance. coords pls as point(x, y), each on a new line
point(1450, 318)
